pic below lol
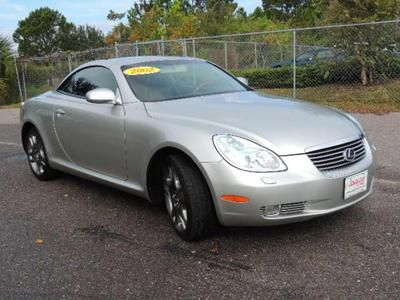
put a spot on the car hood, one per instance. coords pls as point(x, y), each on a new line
point(283, 125)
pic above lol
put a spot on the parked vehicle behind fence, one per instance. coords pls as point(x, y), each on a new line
point(318, 55)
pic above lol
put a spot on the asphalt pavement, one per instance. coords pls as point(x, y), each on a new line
point(71, 238)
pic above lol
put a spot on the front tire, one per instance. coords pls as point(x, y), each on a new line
point(187, 198)
point(37, 158)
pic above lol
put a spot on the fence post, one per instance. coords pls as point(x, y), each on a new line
point(255, 54)
point(69, 63)
point(226, 54)
point(184, 50)
point(294, 63)
point(162, 46)
point(194, 48)
point(18, 81)
point(137, 48)
point(159, 47)
point(23, 65)
point(116, 49)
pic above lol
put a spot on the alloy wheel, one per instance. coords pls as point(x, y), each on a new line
point(36, 154)
point(175, 199)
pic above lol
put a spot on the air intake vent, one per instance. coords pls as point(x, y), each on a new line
point(282, 209)
point(339, 156)
point(292, 208)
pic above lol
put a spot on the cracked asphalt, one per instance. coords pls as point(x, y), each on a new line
point(100, 243)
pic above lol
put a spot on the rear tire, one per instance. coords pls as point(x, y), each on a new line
point(37, 157)
point(187, 198)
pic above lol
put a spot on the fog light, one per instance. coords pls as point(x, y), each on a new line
point(270, 210)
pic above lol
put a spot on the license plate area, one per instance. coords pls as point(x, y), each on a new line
point(355, 184)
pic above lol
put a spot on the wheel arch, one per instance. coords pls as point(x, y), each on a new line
point(153, 170)
point(28, 125)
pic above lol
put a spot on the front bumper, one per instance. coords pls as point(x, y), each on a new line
point(321, 192)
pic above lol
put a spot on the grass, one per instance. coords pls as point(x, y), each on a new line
point(16, 105)
point(380, 98)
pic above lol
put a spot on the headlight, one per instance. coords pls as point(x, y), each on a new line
point(246, 155)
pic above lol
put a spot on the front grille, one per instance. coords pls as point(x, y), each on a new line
point(334, 157)
point(292, 208)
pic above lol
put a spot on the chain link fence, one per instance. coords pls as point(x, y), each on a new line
point(357, 62)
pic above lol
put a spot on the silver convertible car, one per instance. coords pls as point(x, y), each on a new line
point(185, 133)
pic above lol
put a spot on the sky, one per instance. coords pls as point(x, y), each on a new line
point(80, 12)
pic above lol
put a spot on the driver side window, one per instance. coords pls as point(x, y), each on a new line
point(83, 81)
point(305, 56)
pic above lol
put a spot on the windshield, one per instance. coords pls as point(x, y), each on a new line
point(174, 79)
point(305, 56)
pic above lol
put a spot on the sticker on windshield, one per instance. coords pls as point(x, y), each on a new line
point(141, 71)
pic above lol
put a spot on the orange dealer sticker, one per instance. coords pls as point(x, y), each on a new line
point(141, 71)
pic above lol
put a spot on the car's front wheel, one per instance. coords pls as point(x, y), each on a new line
point(187, 198)
point(37, 157)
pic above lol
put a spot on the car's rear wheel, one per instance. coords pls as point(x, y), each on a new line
point(187, 198)
point(37, 157)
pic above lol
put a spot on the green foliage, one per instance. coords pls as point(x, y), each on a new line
point(295, 12)
point(343, 72)
point(267, 78)
point(114, 16)
point(281, 10)
point(3, 90)
point(366, 43)
point(380, 98)
point(32, 91)
point(174, 19)
point(43, 32)
point(353, 11)
point(86, 37)
point(46, 31)
point(5, 53)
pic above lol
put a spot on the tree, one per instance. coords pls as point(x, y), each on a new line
point(174, 19)
point(85, 37)
point(366, 43)
point(137, 12)
point(115, 16)
point(217, 16)
point(120, 32)
point(284, 10)
point(354, 11)
point(5, 51)
point(43, 32)
point(46, 31)
point(181, 21)
point(258, 13)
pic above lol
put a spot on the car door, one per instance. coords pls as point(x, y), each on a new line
point(305, 58)
point(91, 135)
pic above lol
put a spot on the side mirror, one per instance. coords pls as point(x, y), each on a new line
point(101, 96)
point(243, 80)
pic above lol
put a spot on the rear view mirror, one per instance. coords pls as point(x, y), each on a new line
point(101, 96)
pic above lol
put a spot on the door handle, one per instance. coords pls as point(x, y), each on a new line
point(59, 112)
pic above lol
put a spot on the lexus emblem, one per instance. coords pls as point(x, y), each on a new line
point(349, 154)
